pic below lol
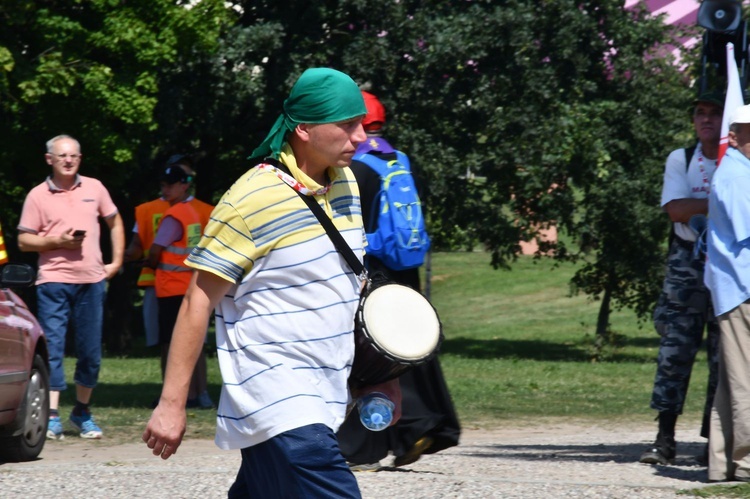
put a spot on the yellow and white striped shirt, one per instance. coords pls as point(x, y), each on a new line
point(285, 331)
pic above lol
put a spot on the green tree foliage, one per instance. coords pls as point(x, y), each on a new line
point(565, 110)
point(91, 69)
point(519, 114)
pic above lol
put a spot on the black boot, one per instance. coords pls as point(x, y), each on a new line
point(664, 449)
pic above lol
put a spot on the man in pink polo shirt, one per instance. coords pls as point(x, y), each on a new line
point(60, 221)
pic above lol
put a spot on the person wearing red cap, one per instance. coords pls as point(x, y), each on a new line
point(428, 421)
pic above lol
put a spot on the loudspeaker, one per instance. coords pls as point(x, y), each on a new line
point(720, 15)
point(714, 57)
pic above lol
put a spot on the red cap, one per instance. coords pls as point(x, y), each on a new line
point(375, 117)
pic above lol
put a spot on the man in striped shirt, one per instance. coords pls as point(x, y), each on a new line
point(285, 301)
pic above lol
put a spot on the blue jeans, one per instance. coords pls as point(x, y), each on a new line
point(300, 463)
point(59, 303)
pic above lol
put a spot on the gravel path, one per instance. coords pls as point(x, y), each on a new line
point(543, 461)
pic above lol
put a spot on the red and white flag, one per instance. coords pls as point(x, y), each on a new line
point(732, 101)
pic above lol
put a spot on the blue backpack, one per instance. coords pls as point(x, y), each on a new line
point(400, 240)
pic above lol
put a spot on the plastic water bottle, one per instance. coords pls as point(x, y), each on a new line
point(375, 411)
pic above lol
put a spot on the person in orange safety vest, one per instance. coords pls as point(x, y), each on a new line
point(178, 232)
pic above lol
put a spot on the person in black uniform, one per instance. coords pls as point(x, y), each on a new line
point(428, 421)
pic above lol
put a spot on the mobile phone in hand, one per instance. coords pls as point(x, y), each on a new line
point(79, 233)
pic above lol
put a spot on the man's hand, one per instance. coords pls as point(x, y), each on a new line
point(680, 210)
point(391, 389)
point(34, 242)
point(111, 270)
point(68, 241)
point(165, 429)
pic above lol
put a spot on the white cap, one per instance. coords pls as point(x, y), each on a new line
point(741, 115)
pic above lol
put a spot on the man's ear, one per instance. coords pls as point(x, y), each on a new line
point(732, 139)
point(302, 131)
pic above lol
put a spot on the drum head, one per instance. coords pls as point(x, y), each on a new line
point(401, 322)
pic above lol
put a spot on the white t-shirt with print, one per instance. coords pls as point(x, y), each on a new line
point(680, 183)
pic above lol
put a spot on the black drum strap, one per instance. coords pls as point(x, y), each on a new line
point(331, 230)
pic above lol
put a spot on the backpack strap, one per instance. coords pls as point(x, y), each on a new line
point(403, 159)
point(374, 162)
point(689, 151)
point(381, 165)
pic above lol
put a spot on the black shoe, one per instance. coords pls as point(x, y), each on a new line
point(655, 456)
point(662, 452)
point(413, 454)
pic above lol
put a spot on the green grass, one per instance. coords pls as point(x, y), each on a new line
point(721, 490)
point(122, 400)
point(519, 346)
point(518, 349)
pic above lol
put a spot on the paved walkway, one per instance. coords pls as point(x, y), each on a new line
point(548, 461)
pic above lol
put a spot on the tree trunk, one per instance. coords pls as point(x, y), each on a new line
point(602, 326)
point(602, 322)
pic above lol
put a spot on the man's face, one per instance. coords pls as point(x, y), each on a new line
point(65, 158)
point(740, 138)
point(334, 144)
point(707, 122)
point(173, 192)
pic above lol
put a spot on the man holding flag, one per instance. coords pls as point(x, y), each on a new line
point(684, 307)
point(728, 278)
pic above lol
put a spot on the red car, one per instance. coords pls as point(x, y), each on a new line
point(24, 371)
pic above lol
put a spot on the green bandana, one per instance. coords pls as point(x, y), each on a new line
point(321, 95)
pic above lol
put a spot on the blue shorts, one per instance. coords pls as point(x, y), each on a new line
point(83, 304)
point(304, 462)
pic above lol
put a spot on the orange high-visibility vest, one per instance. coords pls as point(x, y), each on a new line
point(204, 210)
point(172, 275)
point(147, 216)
